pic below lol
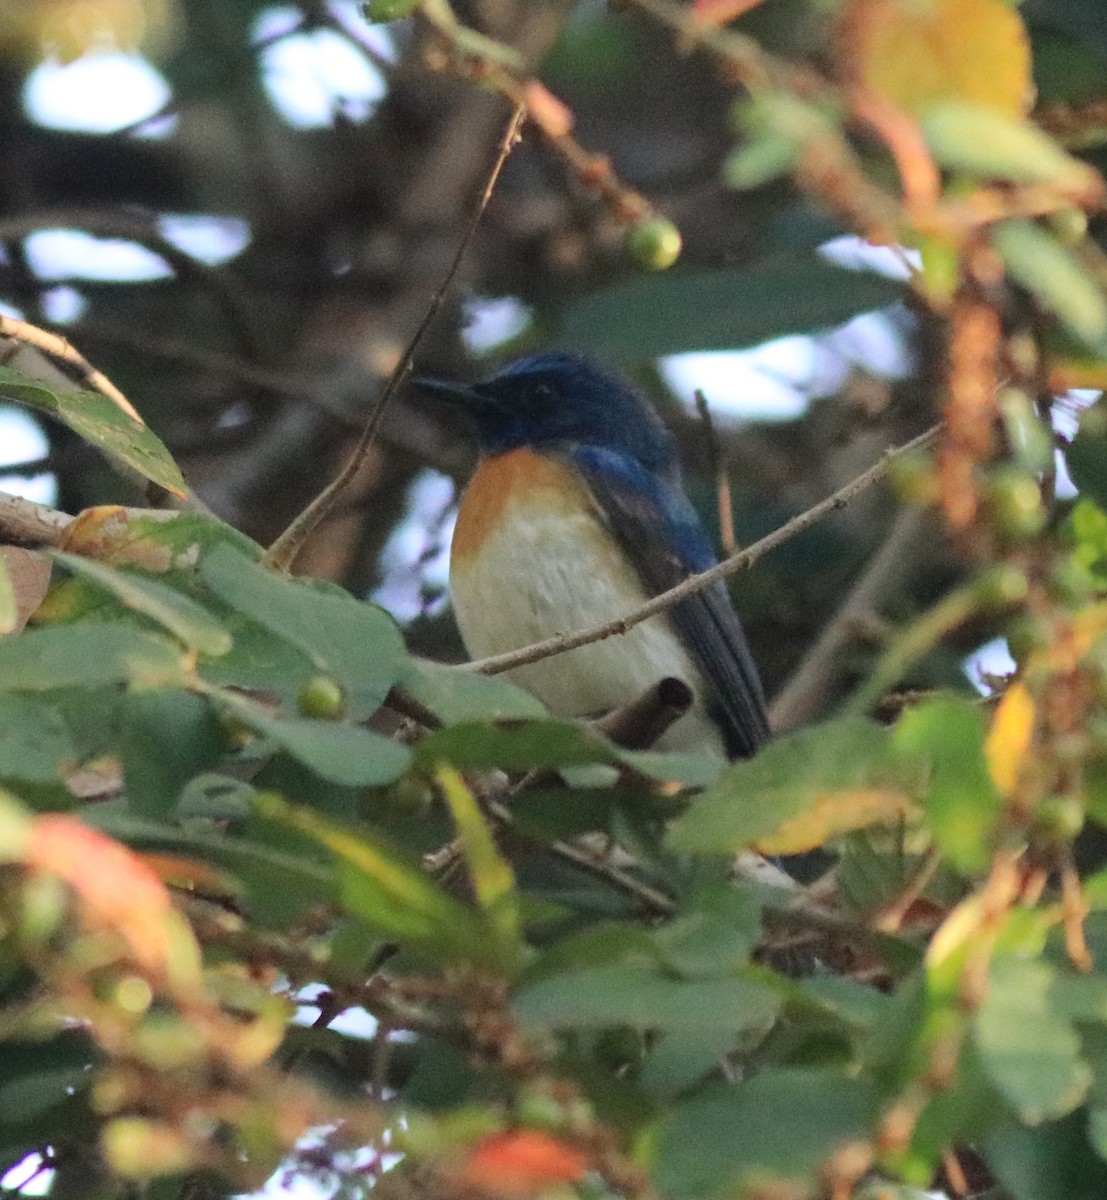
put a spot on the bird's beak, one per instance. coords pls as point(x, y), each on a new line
point(459, 395)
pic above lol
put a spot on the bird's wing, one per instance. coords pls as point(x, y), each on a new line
point(659, 530)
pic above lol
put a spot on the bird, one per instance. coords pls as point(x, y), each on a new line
point(575, 515)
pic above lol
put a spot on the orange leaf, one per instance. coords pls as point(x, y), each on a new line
point(182, 871)
point(521, 1163)
point(551, 114)
point(836, 813)
point(721, 12)
point(115, 888)
point(1008, 741)
point(916, 52)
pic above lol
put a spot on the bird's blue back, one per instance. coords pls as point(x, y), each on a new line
point(595, 423)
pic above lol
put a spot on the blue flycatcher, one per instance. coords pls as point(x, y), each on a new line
point(576, 515)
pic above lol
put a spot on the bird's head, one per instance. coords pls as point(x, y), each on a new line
point(557, 398)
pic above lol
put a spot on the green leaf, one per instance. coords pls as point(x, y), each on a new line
point(720, 310)
point(962, 804)
point(985, 142)
point(455, 694)
point(1050, 272)
point(599, 945)
point(682, 1057)
point(520, 746)
point(1086, 457)
point(714, 933)
point(165, 739)
point(389, 10)
point(1028, 1049)
point(492, 876)
point(386, 891)
point(340, 753)
point(529, 744)
point(962, 1112)
point(644, 997)
point(1051, 1162)
point(259, 661)
point(280, 886)
point(757, 797)
point(356, 644)
point(850, 1001)
point(99, 420)
point(780, 1125)
point(34, 741)
point(180, 615)
point(87, 655)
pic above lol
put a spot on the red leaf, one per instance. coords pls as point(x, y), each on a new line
point(521, 1163)
point(116, 890)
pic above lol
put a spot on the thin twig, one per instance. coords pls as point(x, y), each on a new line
point(727, 541)
point(58, 347)
point(892, 915)
point(562, 642)
point(283, 551)
point(811, 680)
point(653, 901)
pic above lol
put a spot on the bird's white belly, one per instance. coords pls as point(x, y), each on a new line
point(539, 574)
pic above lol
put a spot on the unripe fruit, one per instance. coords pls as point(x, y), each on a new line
point(139, 1149)
point(1016, 503)
point(321, 697)
point(654, 243)
point(1000, 585)
point(913, 478)
point(1058, 819)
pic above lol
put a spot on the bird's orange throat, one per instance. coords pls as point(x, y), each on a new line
point(519, 477)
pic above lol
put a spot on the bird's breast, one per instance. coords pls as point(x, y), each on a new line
point(530, 559)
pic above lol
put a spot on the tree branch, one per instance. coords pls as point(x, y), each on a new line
point(562, 642)
point(809, 684)
point(283, 551)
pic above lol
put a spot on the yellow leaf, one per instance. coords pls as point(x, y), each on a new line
point(917, 52)
point(836, 813)
point(1008, 741)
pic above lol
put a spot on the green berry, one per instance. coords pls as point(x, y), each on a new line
point(913, 479)
point(654, 243)
point(537, 1109)
point(1058, 819)
point(1016, 503)
point(1025, 635)
point(1070, 225)
point(321, 697)
point(388, 10)
point(1001, 585)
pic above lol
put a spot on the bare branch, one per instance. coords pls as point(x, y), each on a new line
point(809, 684)
point(24, 523)
point(283, 551)
point(728, 543)
point(58, 347)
